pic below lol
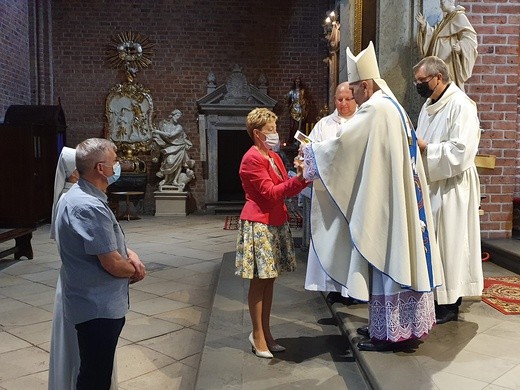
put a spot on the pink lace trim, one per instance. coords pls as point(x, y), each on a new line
point(402, 316)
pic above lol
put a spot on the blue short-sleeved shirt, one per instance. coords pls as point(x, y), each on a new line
point(85, 228)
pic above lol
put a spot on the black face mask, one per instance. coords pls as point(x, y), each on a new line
point(424, 90)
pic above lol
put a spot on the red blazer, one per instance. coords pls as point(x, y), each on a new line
point(265, 190)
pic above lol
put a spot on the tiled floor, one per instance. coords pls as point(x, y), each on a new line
point(162, 342)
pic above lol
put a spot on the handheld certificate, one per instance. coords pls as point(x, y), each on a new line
point(302, 138)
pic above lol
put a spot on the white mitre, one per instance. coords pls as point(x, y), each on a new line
point(364, 67)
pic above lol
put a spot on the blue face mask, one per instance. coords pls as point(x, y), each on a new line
point(117, 173)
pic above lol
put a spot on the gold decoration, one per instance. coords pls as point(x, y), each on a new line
point(358, 26)
point(128, 119)
point(131, 52)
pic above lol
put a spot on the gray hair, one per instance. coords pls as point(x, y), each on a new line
point(90, 152)
point(434, 65)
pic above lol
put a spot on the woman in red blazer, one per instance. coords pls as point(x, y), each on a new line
point(264, 245)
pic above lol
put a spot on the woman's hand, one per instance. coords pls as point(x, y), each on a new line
point(299, 165)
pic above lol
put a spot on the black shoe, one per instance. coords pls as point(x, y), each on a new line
point(351, 301)
point(334, 297)
point(447, 317)
point(377, 346)
point(363, 331)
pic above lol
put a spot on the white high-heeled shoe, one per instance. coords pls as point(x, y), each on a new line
point(276, 348)
point(262, 354)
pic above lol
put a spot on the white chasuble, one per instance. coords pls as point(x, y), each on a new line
point(364, 209)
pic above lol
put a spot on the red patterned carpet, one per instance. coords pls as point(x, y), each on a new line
point(231, 222)
point(503, 293)
point(295, 221)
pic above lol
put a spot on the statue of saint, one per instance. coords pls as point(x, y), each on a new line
point(453, 40)
point(174, 145)
point(297, 103)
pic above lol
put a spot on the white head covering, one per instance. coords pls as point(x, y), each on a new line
point(66, 165)
point(364, 67)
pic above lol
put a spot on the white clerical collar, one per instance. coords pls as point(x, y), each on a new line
point(340, 119)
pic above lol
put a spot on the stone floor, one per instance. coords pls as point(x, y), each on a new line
point(317, 354)
point(161, 343)
point(479, 351)
point(165, 335)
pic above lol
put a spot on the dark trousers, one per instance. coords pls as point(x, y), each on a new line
point(97, 340)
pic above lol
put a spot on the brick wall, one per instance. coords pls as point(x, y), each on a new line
point(14, 54)
point(495, 88)
point(279, 39)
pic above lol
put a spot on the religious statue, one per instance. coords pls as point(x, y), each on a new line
point(176, 168)
point(323, 112)
point(297, 104)
point(453, 40)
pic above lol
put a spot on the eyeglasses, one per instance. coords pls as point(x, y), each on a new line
point(420, 81)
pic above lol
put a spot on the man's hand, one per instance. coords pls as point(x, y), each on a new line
point(422, 144)
point(140, 270)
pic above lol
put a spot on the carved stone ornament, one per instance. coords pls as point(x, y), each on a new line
point(237, 87)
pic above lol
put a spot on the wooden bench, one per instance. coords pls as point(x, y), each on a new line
point(22, 237)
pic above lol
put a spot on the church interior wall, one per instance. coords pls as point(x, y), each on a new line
point(494, 86)
point(190, 40)
point(14, 55)
point(279, 39)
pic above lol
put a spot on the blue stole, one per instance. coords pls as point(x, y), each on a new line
point(412, 142)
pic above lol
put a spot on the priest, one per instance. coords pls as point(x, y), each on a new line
point(329, 127)
point(448, 132)
point(371, 224)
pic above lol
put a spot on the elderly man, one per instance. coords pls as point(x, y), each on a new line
point(373, 235)
point(453, 40)
point(97, 267)
point(326, 128)
point(449, 132)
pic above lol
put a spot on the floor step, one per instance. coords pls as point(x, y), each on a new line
point(504, 252)
point(226, 208)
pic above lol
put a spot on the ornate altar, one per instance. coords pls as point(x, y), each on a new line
point(129, 116)
point(129, 106)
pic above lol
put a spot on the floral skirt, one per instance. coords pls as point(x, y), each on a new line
point(264, 251)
